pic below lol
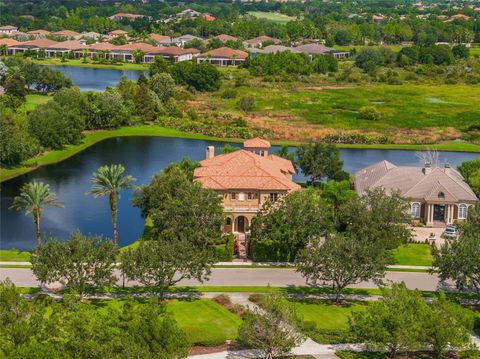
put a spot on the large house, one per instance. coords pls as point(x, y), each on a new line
point(246, 179)
point(223, 56)
point(437, 195)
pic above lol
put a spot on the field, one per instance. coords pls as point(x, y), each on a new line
point(413, 254)
point(271, 16)
point(410, 113)
point(90, 63)
point(33, 100)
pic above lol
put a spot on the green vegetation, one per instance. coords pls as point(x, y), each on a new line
point(13, 255)
point(204, 322)
point(271, 16)
point(33, 100)
point(413, 254)
point(89, 63)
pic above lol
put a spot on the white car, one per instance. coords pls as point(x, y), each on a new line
point(450, 232)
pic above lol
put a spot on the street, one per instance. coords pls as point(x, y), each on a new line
point(275, 277)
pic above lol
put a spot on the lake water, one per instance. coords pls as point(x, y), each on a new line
point(92, 79)
point(142, 157)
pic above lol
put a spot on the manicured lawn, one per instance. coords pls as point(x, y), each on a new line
point(413, 254)
point(13, 255)
point(90, 63)
point(204, 321)
point(271, 16)
point(33, 100)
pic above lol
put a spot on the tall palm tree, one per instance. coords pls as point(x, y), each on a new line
point(108, 181)
point(33, 199)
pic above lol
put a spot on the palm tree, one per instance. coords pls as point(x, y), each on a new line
point(108, 181)
point(34, 198)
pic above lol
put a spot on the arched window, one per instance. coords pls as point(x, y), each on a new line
point(441, 195)
point(228, 221)
point(415, 210)
point(462, 211)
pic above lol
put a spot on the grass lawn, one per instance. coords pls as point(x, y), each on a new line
point(395, 48)
point(413, 254)
point(272, 16)
point(326, 322)
point(90, 63)
point(13, 255)
point(204, 321)
point(33, 100)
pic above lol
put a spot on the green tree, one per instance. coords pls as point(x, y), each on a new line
point(34, 198)
point(202, 77)
point(342, 259)
point(228, 148)
point(377, 216)
point(16, 144)
point(459, 258)
point(79, 263)
point(282, 228)
point(395, 322)
point(368, 59)
point(14, 85)
point(470, 170)
point(138, 56)
point(160, 65)
point(166, 261)
point(273, 329)
point(109, 181)
point(319, 160)
point(146, 103)
point(186, 165)
point(163, 85)
point(181, 209)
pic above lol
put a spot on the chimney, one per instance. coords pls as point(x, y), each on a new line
point(209, 152)
point(447, 167)
point(427, 168)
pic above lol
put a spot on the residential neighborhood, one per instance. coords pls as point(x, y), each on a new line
point(240, 179)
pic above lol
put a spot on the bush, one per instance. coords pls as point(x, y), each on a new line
point(256, 298)
point(246, 103)
point(229, 93)
point(370, 113)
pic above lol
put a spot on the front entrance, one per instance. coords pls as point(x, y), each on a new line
point(241, 224)
point(439, 212)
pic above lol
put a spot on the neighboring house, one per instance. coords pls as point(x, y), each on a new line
point(270, 49)
point(64, 48)
point(223, 56)
point(437, 195)
point(209, 17)
point(458, 17)
point(179, 41)
point(319, 49)
point(8, 42)
point(116, 33)
point(91, 35)
point(172, 53)
point(121, 16)
point(188, 13)
point(69, 34)
point(222, 38)
point(158, 38)
point(8, 29)
point(245, 179)
point(258, 41)
point(34, 45)
point(38, 34)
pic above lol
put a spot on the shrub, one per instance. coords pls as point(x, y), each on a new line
point(370, 113)
point(229, 93)
point(224, 251)
point(256, 298)
point(246, 103)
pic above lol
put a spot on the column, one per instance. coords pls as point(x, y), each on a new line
point(427, 214)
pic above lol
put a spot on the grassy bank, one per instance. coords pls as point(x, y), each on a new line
point(92, 64)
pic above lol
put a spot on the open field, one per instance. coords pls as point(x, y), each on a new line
point(90, 63)
point(12, 255)
point(409, 112)
point(413, 254)
point(271, 16)
point(33, 100)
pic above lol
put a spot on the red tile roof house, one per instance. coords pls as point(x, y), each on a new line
point(245, 179)
point(223, 56)
point(8, 29)
point(34, 45)
point(67, 34)
point(258, 41)
point(438, 196)
point(121, 15)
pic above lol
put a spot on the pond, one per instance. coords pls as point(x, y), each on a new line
point(142, 157)
point(93, 79)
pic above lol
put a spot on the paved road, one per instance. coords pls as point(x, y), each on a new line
point(252, 277)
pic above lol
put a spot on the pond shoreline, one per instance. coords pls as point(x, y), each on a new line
point(93, 137)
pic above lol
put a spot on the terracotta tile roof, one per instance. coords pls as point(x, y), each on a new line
point(8, 27)
point(137, 46)
point(256, 142)
point(158, 37)
point(102, 46)
point(260, 39)
point(173, 51)
point(69, 45)
point(38, 32)
point(66, 33)
point(225, 37)
point(415, 182)
point(118, 32)
point(9, 42)
point(41, 43)
point(246, 170)
point(225, 52)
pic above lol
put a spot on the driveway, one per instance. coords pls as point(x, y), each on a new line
point(420, 234)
